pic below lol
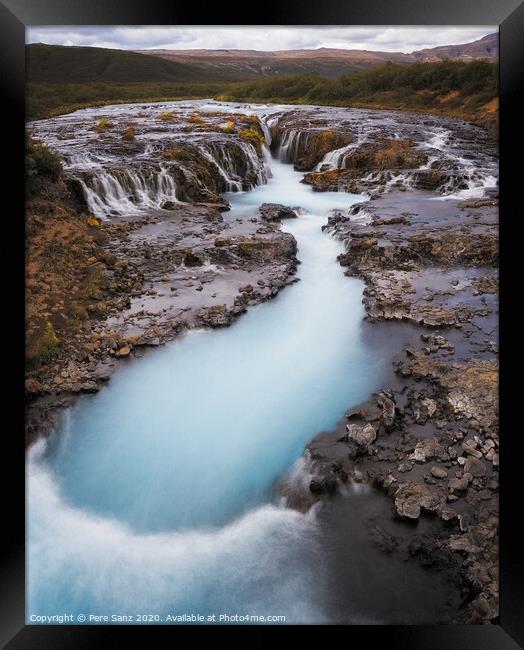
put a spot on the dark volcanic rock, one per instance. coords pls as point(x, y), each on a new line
point(276, 212)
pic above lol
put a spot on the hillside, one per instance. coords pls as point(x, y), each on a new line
point(68, 64)
point(467, 90)
point(328, 62)
point(62, 79)
point(71, 64)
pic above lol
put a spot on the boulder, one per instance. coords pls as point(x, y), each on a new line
point(362, 436)
point(276, 212)
point(411, 498)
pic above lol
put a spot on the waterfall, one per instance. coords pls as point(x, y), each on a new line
point(291, 144)
point(244, 168)
point(132, 190)
point(124, 192)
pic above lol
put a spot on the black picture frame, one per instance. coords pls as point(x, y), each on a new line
point(14, 16)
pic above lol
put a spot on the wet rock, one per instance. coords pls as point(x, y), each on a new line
point(191, 259)
point(276, 212)
point(412, 498)
point(215, 316)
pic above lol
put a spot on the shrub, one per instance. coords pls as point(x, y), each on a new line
point(176, 154)
point(93, 221)
point(42, 166)
point(129, 132)
point(229, 128)
point(46, 347)
point(103, 125)
point(196, 119)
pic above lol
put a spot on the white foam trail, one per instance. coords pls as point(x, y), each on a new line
point(265, 563)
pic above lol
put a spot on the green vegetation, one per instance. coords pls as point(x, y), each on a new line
point(467, 90)
point(47, 100)
point(475, 77)
point(42, 166)
point(45, 349)
point(103, 125)
point(254, 136)
point(448, 85)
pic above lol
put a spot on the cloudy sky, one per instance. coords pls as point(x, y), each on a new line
point(392, 39)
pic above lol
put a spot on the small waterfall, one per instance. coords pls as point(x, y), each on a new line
point(237, 163)
point(124, 192)
point(291, 144)
point(336, 159)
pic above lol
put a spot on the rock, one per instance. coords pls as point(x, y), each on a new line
point(475, 467)
point(191, 259)
point(388, 410)
point(470, 449)
point(326, 485)
point(123, 352)
point(447, 514)
point(405, 467)
point(439, 472)
point(362, 436)
point(458, 484)
point(426, 449)
point(215, 316)
point(276, 212)
point(411, 498)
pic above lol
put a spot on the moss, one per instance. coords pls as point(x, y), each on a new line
point(103, 125)
point(255, 137)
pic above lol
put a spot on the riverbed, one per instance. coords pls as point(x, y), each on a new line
point(158, 495)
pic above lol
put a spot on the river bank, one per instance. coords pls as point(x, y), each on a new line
point(186, 266)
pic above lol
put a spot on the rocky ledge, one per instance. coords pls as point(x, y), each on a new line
point(134, 283)
point(429, 438)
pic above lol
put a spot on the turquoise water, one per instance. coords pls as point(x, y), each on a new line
point(158, 493)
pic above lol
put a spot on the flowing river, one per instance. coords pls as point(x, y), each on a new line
point(158, 494)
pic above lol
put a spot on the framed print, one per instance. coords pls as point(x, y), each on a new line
point(264, 389)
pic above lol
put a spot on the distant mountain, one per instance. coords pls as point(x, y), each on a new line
point(484, 48)
point(71, 64)
point(329, 62)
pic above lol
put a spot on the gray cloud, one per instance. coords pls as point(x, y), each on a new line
point(394, 39)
